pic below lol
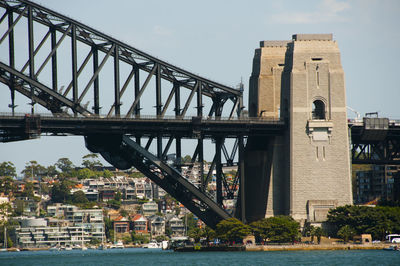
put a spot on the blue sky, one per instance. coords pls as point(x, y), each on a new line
point(216, 39)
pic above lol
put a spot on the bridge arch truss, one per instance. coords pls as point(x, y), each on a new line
point(74, 71)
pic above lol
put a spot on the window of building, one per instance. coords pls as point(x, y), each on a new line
point(318, 110)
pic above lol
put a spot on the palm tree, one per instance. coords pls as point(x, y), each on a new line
point(346, 232)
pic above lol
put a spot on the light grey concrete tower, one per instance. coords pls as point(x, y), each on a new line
point(311, 162)
point(319, 142)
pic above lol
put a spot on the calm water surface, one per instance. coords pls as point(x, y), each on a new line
point(140, 256)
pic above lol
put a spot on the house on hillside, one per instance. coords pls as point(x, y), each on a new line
point(121, 225)
point(140, 224)
point(157, 225)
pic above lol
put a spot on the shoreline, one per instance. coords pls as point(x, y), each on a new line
point(255, 248)
point(305, 247)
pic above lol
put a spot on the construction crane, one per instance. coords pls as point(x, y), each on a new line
point(358, 115)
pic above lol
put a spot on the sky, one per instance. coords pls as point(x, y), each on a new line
point(216, 39)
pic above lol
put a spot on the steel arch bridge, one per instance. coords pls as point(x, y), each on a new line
point(125, 102)
point(105, 83)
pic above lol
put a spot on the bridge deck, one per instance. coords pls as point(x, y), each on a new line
point(147, 126)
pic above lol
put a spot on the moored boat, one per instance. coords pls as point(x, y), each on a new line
point(392, 248)
point(153, 244)
point(118, 245)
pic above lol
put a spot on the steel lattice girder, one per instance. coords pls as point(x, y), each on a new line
point(123, 152)
point(382, 152)
point(29, 82)
point(111, 47)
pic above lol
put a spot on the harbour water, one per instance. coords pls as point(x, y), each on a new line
point(139, 256)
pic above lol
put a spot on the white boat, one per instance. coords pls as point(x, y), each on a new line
point(54, 248)
point(153, 244)
point(164, 245)
point(118, 245)
point(79, 247)
point(66, 248)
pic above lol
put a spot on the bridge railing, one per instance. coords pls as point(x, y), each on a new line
point(144, 117)
point(360, 122)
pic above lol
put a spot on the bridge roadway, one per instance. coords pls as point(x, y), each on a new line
point(143, 126)
point(359, 128)
point(187, 127)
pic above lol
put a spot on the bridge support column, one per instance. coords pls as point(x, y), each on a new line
point(258, 157)
point(218, 147)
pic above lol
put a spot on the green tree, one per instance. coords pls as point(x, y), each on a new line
point(28, 190)
point(118, 196)
point(79, 197)
point(91, 161)
point(196, 234)
point(18, 207)
point(7, 185)
point(140, 239)
point(7, 169)
point(260, 229)
point(186, 159)
point(137, 175)
point(318, 232)
point(124, 213)
point(276, 229)
point(5, 211)
point(377, 221)
point(44, 188)
point(108, 226)
point(94, 241)
point(127, 239)
point(177, 210)
point(115, 204)
point(232, 230)
point(346, 232)
point(161, 238)
point(209, 233)
point(85, 173)
point(60, 192)
point(168, 231)
point(7, 225)
point(51, 171)
point(65, 165)
point(33, 170)
point(107, 174)
point(189, 221)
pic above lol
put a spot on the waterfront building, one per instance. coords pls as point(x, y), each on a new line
point(176, 225)
point(149, 208)
point(140, 224)
point(379, 183)
point(89, 219)
point(107, 194)
point(36, 232)
point(30, 206)
point(157, 225)
point(143, 188)
point(128, 192)
point(121, 225)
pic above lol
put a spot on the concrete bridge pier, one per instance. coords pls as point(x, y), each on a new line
point(258, 157)
point(306, 171)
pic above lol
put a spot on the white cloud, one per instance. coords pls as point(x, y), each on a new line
point(327, 11)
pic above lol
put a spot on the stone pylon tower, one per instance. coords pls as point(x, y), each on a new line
point(302, 81)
